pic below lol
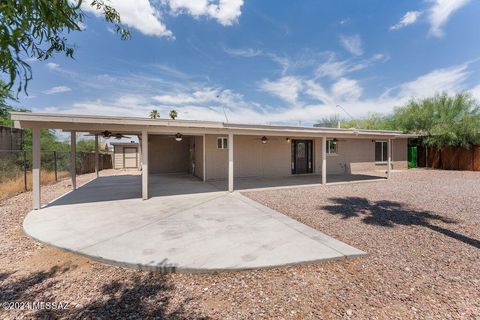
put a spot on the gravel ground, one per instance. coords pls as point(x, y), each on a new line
point(421, 230)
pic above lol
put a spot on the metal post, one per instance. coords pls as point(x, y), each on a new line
point(55, 164)
point(25, 169)
point(144, 165)
point(230, 162)
point(36, 168)
point(324, 160)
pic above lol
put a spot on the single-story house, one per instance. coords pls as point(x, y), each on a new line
point(223, 150)
point(126, 155)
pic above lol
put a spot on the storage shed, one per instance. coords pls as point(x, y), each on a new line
point(126, 155)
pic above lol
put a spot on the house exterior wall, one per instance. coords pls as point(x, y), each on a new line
point(254, 159)
point(165, 155)
point(357, 155)
point(198, 156)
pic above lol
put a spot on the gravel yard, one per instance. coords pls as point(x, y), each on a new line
point(421, 230)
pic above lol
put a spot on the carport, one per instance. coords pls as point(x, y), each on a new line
point(227, 152)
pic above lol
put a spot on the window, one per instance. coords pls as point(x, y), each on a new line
point(381, 151)
point(331, 146)
point(222, 143)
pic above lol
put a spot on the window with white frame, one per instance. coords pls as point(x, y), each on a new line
point(381, 151)
point(332, 146)
point(222, 143)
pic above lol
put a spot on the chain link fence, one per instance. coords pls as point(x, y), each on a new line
point(16, 168)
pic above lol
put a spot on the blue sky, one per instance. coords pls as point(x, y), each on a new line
point(279, 62)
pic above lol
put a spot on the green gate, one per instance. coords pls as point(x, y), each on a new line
point(412, 157)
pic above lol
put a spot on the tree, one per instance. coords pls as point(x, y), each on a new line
point(154, 114)
point(445, 120)
point(333, 121)
point(37, 28)
point(373, 121)
point(173, 114)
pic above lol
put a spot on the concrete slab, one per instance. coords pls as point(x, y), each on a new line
point(296, 181)
point(202, 230)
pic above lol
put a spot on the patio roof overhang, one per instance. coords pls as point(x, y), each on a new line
point(135, 125)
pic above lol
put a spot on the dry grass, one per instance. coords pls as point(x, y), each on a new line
point(15, 186)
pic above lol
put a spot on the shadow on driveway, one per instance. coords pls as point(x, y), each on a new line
point(390, 213)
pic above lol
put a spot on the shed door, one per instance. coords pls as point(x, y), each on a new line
point(130, 157)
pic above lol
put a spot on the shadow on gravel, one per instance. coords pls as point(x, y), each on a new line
point(140, 296)
point(24, 288)
point(390, 213)
point(145, 296)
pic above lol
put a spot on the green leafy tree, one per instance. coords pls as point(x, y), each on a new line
point(173, 114)
point(332, 121)
point(37, 29)
point(86, 145)
point(154, 114)
point(373, 121)
point(444, 120)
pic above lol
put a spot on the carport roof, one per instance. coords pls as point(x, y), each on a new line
point(132, 125)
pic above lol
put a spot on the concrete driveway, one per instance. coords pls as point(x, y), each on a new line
point(198, 229)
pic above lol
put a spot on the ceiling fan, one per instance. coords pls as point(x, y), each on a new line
point(108, 134)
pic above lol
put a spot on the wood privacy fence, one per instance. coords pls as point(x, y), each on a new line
point(86, 162)
point(450, 158)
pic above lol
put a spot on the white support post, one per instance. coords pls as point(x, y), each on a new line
point(389, 162)
point(324, 160)
point(204, 159)
point(230, 162)
point(97, 164)
point(36, 156)
point(73, 159)
point(144, 165)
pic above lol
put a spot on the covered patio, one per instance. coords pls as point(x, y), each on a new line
point(226, 156)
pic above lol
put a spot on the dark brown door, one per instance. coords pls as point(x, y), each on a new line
point(302, 156)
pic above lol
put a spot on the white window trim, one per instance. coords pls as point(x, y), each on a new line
point(222, 138)
point(381, 152)
point(328, 148)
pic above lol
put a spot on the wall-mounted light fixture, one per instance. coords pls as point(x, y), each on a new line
point(288, 139)
point(178, 137)
point(264, 139)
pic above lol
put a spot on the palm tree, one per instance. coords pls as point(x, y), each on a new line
point(173, 114)
point(154, 114)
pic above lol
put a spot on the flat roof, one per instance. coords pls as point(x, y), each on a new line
point(95, 123)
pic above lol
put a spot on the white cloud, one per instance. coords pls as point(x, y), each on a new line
point(409, 18)
point(334, 68)
point(440, 12)
point(450, 80)
point(247, 53)
point(138, 14)
point(58, 89)
point(353, 44)
point(475, 92)
point(346, 90)
point(52, 66)
point(226, 12)
point(286, 88)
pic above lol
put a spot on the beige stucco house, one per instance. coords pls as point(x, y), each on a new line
point(220, 150)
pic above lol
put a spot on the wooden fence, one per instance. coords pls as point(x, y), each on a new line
point(450, 158)
point(86, 162)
